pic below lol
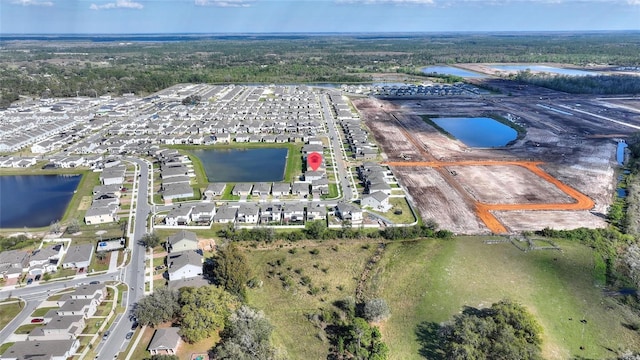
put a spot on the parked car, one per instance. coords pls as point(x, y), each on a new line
point(37, 320)
point(129, 335)
point(106, 334)
point(38, 277)
point(29, 281)
point(134, 326)
point(94, 282)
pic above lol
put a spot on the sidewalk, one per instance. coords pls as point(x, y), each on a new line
point(113, 262)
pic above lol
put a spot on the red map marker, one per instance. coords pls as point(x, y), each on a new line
point(314, 160)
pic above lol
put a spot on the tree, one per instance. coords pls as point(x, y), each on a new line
point(506, 330)
point(203, 311)
point(159, 307)
point(315, 229)
point(150, 240)
point(55, 227)
point(230, 270)
point(246, 337)
point(376, 310)
point(74, 226)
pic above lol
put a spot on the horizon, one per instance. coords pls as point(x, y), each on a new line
point(39, 17)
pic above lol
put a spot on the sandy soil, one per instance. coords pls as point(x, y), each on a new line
point(559, 220)
point(507, 185)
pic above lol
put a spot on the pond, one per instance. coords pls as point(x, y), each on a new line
point(243, 165)
point(543, 68)
point(450, 70)
point(34, 200)
point(478, 132)
point(620, 152)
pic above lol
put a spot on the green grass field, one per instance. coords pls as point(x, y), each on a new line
point(334, 271)
point(9, 310)
point(429, 281)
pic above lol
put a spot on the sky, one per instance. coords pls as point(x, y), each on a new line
point(287, 16)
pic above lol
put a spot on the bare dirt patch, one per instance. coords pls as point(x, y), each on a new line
point(507, 185)
point(559, 220)
point(436, 199)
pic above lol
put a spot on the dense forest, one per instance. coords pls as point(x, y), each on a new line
point(71, 67)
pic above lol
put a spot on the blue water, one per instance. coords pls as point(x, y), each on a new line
point(478, 132)
point(243, 165)
point(544, 68)
point(34, 200)
point(450, 70)
point(620, 152)
point(622, 193)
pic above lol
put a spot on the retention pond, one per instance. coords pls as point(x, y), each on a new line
point(478, 132)
point(35, 200)
point(243, 165)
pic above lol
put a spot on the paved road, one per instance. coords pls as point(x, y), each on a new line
point(134, 272)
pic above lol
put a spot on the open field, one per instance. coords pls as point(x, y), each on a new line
point(557, 287)
point(286, 297)
point(8, 310)
point(567, 156)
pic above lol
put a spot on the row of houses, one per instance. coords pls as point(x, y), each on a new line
point(175, 175)
point(356, 137)
point(105, 202)
point(46, 259)
point(58, 338)
point(9, 161)
point(205, 213)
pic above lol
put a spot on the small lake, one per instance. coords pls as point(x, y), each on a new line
point(450, 70)
point(243, 165)
point(478, 132)
point(543, 68)
point(34, 200)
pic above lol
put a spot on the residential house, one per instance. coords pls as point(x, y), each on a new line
point(182, 241)
point(318, 212)
point(59, 328)
point(41, 350)
point(242, 189)
point(203, 212)
point(261, 188)
point(78, 257)
point(378, 201)
point(97, 292)
point(310, 176)
point(13, 263)
point(300, 188)
point(349, 212)
point(320, 186)
point(45, 259)
point(101, 215)
point(271, 213)
point(215, 189)
point(165, 342)
point(113, 176)
point(280, 189)
point(178, 216)
point(248, 213)
point(184, 264)
point(293, 212)
point(84, 307)
point(225, 214)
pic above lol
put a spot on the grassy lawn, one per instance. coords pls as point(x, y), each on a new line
point(5, 346)
point(8, 311)
point(39, 312)
point(26, 328)
point(406, 217)
point(333, 192)
point(429, 281)
point(85, 188)
point(185, 350)
point(333, 271)
point(92, 325)
point(140, 351)
point(61, 273)
point(100, 265)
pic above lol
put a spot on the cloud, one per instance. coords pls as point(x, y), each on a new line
point(396, 2)
point(33, 3)
point(119, 4)
point(225, 3)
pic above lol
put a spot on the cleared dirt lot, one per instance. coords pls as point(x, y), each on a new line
point(437, 200)
point(507, 185)
point(575, 149)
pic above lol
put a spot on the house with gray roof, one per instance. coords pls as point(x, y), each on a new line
point(242, 189)
point(214, 189)
point(225, 214)
point(378, 201)
point(177, 191)
point(41, 350)
point(293, 212)
point(182, 241)
point(84, 307)
point(248, 213)
point(97, 292)
point(165, 342)
point(101, 215)
point(59, 328)
point(78, 257)
point(203, 212)
point(349, 212)
point(13, 263)
point(45, 259)
point(184, 264)
point(318, 212)
point(178, 216)
point(300, 188)
point(261, 188)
